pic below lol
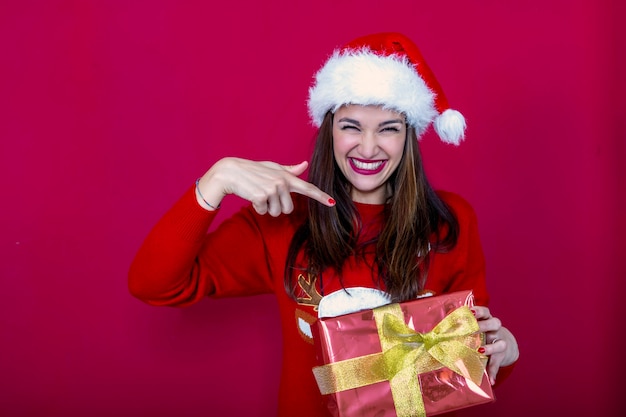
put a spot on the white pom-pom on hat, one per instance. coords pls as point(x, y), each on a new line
point(450, 126)
point(385, 69)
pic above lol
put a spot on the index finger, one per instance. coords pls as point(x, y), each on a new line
point(307, 189)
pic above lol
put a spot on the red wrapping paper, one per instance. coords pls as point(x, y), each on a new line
point(356, 334)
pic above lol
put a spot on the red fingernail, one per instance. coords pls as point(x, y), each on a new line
point(331, 201)
point(473, 311)
point(481, 350)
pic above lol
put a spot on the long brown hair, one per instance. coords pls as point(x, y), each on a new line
point(416, 222)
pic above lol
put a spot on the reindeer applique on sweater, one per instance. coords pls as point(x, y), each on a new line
point(344, 301)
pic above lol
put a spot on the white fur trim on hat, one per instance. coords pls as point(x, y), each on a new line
point(365, 78)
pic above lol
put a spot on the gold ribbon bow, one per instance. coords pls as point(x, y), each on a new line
point(405, 354)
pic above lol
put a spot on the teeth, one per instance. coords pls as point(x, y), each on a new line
point(367, 165)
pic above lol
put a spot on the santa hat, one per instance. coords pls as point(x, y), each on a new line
point(385, 69)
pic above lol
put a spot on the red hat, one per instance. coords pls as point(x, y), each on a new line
point(385, 69)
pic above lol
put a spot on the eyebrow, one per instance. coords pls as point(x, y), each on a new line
point(385, 123)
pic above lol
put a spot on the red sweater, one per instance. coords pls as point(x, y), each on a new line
point(180, 264)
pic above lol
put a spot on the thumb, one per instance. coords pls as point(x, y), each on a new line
point(296, 169)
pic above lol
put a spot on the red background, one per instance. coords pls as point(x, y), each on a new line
point(109, 110)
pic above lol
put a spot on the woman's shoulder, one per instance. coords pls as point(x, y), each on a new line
point(458, 204)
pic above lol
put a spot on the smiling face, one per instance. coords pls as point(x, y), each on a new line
point(368, 144)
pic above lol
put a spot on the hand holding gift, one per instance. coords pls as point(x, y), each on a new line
point(500, 344)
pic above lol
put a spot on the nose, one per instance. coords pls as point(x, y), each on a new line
point(368, 146)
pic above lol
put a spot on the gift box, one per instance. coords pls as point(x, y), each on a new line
point(417, 358)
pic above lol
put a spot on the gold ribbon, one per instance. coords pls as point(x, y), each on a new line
point(405, 354)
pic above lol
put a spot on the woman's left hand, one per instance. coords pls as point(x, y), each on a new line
point(500, 344)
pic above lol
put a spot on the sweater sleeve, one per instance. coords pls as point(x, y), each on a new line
point(179, 263)
point(462, 267)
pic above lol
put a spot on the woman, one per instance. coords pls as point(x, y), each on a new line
point(364, 230)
